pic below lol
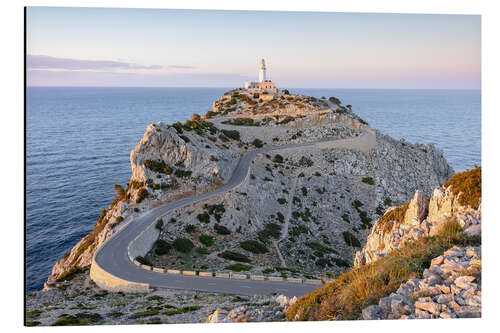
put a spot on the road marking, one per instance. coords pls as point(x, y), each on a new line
point(248, 287)
point(211, 284)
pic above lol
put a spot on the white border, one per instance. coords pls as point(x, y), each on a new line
point(12, 159)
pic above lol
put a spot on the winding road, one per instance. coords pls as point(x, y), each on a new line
point(112, 257)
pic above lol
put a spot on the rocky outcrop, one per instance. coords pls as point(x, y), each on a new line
point(450, 288)
point(419, 218)
point(247, 313)
point(162, 158)
point(179, 149)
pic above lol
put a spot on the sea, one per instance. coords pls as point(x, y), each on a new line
point(79, 141)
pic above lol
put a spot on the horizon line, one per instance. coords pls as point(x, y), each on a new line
point(221, 87)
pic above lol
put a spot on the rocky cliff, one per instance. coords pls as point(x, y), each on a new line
point(421, 217)
point(168, 162)
point(300, 212)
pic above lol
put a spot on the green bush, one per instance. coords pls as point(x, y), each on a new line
point(280, 217)
point(257, 143)
point(232, 134)
point(278, 158)
point(270, 230)
point(142, 260)
point(235, 256)
point(185, 138)
point(190, 228)
point(345, 217)
point(162, 247)
point(159, 224)
point(182, 173)
point(238, 267)
point(254, 246)
point(319, 247)
point(350, 239)
point(468, 183)
point(141, 195)
point(221, 230)
point(183, 245)
point(158, 166)
point(203, 217)
point(368, 180)
point(207, 240)
point(202, 251)
point(281, 201)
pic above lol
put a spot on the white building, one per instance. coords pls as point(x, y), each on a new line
point(263, 84)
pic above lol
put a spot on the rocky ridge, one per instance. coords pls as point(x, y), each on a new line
point(450, 288)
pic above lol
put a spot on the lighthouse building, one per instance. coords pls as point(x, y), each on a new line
point(263, 84)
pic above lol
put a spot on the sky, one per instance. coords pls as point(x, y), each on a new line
point(202, 48)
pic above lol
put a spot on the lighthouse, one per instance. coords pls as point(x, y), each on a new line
point(264, 86)
point(262, 71)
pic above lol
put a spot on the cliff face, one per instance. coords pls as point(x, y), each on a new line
point(179, 149)
point(310, 206)
point(166, 163)
point(418, 218)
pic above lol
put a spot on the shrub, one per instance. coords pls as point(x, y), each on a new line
point(278, 158)
point(320, 247)
point(281, 201)
point(182, 173)
point(270, 230)
point(203, 217)
point(207, 240)
point(221, 230)
point(216, 210)
point(305, 161)
point(185, 138)
point(368, 180)
point(78, 319)
point(286, 92)
point(365, 285)
point(142, 260)
point(350, 239)
point(254, 246)
point(183, 245)
point(141, 195)
point(232, 134)
point(162, 247)
point(158, 166)
point(304, 191)
point(396, 214)
point(468, 183)
point(238, 267)
point(213, 158)
point(257, 143)
point(242, 122)
point(280, 217)
point(202, 251)
point(182, 310)
point(159, 224)
point(345, 217)
point(190, 228)
point(120, 191)
point(235, 256)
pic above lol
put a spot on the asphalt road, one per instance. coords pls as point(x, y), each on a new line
point(112, 256)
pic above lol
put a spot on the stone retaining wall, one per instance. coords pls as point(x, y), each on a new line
point(110, 282)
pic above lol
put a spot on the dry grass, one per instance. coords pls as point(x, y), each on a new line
point(360, 287)
point(468, 183)
point(397, 214)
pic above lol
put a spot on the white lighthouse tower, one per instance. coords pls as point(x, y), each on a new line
point(262, 71)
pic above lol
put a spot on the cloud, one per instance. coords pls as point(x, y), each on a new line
point(180, 67)
point(48, 62)
point(45, 77)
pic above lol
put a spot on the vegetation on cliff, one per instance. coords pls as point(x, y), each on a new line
point(363, 286)
point(468, 183)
